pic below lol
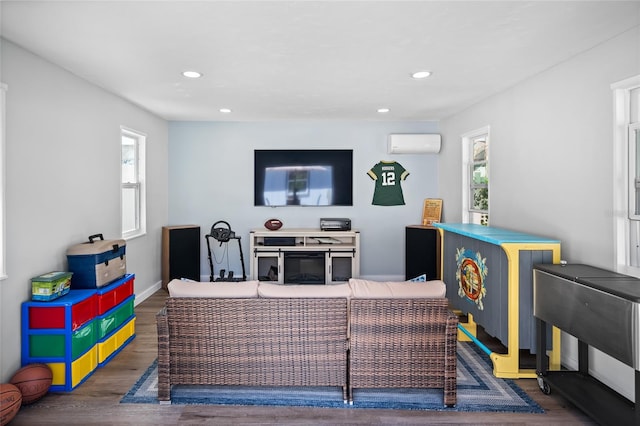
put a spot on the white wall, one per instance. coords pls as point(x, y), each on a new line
point(211, 179)
point(551, 160)
point(63, 177)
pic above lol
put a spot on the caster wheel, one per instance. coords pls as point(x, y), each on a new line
point(544, 386)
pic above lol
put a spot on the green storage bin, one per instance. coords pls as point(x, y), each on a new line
point(52, 345)
point(115, 317)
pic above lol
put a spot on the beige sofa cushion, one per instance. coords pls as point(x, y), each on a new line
point(365, 289)
point(234, 290)
point(313, 291)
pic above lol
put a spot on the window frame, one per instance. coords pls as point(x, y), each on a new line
point(625, 226)
point(633, 175)
point(3, 180)
point(468, 185)
point(139, 185)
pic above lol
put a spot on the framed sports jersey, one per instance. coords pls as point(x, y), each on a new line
point(388, 176)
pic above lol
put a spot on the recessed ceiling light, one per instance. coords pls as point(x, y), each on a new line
point(225, 110)
point(383, 110)
point(421, 74)
point(192, 74)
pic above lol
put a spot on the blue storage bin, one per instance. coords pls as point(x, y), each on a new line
point(97, 262)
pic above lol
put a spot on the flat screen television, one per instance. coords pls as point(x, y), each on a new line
point(303, 177)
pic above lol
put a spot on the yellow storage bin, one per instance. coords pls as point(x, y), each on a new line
point(67, 376)
point(116, 341)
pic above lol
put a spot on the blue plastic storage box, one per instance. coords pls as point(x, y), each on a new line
point(97, 262)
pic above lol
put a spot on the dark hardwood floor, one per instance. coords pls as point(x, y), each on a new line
point(97, 401)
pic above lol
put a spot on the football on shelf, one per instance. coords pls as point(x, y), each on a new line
point(273, 224)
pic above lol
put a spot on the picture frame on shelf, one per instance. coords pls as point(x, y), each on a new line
point(431, 211)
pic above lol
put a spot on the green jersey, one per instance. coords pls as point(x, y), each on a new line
point(388, 175)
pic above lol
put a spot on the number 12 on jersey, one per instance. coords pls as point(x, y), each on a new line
point(388, 176)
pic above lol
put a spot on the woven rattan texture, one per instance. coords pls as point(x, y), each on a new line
point(398, 343)
point(252, 342)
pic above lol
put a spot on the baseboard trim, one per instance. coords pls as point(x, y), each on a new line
point(147, 293)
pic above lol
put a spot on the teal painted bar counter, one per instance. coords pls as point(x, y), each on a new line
point(489, 277)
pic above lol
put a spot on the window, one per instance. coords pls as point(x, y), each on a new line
point(634, 196)
point(3, 271)
point(626, 179)
point(298, 183)
point(475, 178)
point(634, 171)
point(133, 198)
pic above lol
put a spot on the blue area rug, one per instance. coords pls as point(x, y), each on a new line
point(478, 390)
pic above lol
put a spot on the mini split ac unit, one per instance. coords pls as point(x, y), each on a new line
point(413, 144)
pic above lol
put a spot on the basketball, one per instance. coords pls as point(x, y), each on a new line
point(10, 402)
point(33, 381)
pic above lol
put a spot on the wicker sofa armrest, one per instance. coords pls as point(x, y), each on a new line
point(451, 359)
point(164, 384)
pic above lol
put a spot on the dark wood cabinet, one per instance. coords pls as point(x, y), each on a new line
point(180, 253)
point(422, 252)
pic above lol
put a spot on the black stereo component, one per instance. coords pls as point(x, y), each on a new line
point(335, 224)
point(279, 241)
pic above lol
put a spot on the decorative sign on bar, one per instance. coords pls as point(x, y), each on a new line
point(431, 211)
point(471, 273)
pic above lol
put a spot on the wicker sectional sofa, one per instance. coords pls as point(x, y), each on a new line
point(361, 334)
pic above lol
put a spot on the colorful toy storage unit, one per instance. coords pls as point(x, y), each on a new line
point(78, 332)
point(489, 277)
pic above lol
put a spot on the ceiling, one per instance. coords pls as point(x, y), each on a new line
point(310, 60)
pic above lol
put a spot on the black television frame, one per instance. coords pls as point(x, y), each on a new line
point(341, 161)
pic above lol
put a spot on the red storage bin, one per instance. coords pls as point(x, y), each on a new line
point(70, 311)
point(115, 293)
